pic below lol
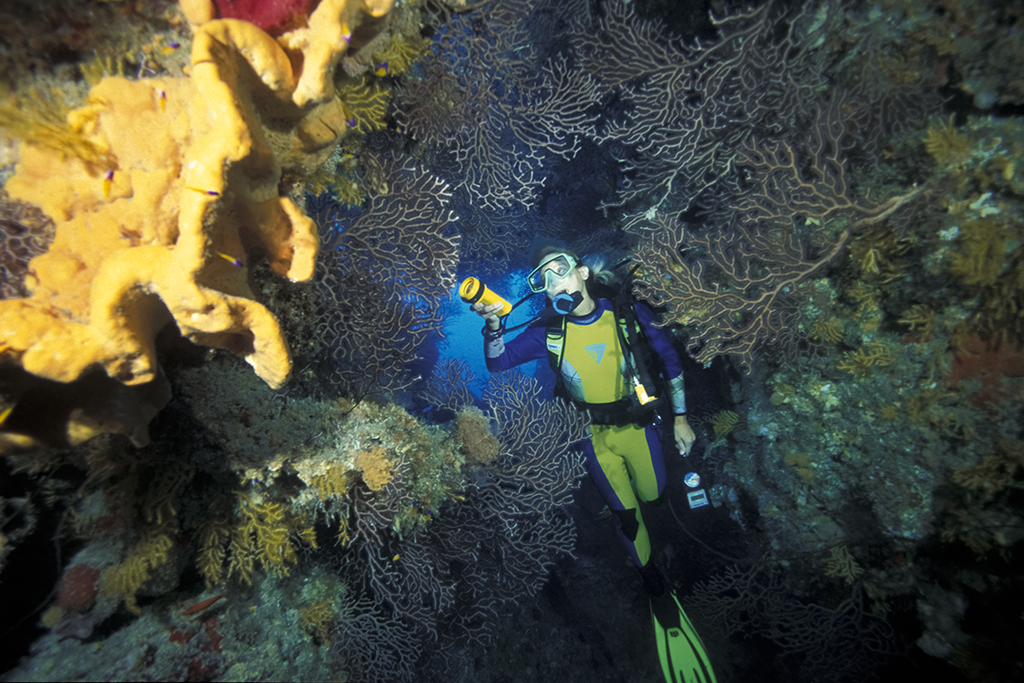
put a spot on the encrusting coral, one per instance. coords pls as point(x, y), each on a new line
point(184, 197)
point(473, 428)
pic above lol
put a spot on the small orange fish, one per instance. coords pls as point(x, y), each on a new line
point(201, 605)
point(232, 260)
point(395, 558)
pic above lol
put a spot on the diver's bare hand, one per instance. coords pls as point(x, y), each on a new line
point(684, 435)
point(489, 312)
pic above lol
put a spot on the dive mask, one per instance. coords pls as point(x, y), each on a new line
point(554, 266)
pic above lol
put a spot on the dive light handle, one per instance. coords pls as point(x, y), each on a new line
point(472, 290)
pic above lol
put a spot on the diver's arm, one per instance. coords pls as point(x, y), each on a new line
point(661, 344)
point(682, 431)
point(528, 345)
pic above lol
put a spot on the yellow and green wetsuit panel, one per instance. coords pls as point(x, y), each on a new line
point(592, 366)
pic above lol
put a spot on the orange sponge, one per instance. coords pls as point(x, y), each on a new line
point(168, 231)
point(148, 240)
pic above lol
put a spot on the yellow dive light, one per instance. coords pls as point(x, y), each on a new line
point(472, 290)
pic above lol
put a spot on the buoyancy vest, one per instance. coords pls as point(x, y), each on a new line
point(606, 371)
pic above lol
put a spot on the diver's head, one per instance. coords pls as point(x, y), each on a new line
point(558, 273)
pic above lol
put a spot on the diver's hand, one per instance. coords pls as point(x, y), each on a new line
point(489, 313)
point(684, 435)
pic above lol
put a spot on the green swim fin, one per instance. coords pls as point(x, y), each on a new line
point(682, 654)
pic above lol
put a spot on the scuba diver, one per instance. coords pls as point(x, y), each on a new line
point(599, 343)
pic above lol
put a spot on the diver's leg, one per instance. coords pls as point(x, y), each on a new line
point(682, 654)
point(642, 449)
point(654, 488)
point(654, 580)
point(611, 476)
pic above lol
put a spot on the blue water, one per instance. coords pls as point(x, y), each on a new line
point(463, 339)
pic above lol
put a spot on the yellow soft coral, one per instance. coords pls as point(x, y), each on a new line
point(368, 103)
point(981, 256)
point(947, 145)
point(377, 469)
point(872, 354)
point(841, 564)
point(264, 532)
point(214, 535)
point(41, 117)
point(726, 422)
point(125, 579)
point(317, 619)
point(402, 52)
point(829, 331)
point(332, 483)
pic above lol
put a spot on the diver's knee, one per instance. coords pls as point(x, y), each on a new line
point(629, 522)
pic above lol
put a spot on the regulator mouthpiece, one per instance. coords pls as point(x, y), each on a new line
point(565, 303)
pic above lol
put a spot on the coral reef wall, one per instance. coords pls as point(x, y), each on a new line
point(824, 202)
